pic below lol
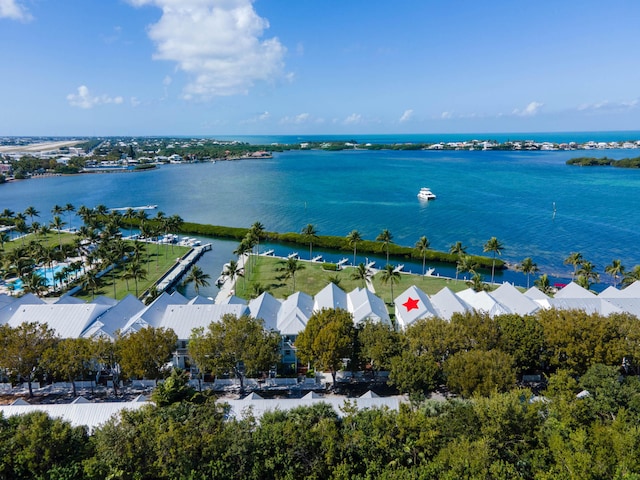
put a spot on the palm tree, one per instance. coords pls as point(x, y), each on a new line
point(632, 276)
point(69, 208)
point(92, 282)
point(466, 264)
point(129, 215)
point(4, 237)
point(198, 277)
point(495, 246)
point(616, 269)
point(362, 273)
point(35, 283)
point(57, 224)
point(543, 284)
point(586, 274)
point(232, 270)
point(353, 238)
point(477, 284)
point(391, 276)
point(575, 259)
point(31, 212)
point(135, 271)
point(257, 230)
point(422, 246)
point(289, 269)
point(528, 267)
point(459, 250)
point(310, 233)
point(385, 237)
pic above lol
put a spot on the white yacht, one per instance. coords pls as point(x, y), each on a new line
point(426, 194)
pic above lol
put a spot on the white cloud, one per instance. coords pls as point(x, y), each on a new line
point(353, 119)
point(84, 99)
point(135, 102)
point(300, 119)
point(217, 43)
point(262, 117)
point(606, 105)
point(406, 116)
point(446, 115)
point(530, 110)
point(13, 10)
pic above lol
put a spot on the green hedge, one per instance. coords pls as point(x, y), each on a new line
point(328, 242)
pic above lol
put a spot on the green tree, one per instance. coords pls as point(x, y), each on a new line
point(378, 343)
point(479, 372)
point(527, 266)
point(311, 234)
point(587, 274)
point(353, 238)
point(616, 270)
point(289, 268)
point(422, 246)
point(543, 284)
point(327, 340)
point(494, 246)
point(575, 259)
point(386, 238)
point(389, 275)
point(22, 348)
point(414, 374)
point(70, 359)
point(522, 337)
point(235, 345)
point(174, 389)
point(145, 353)
point(198, 277)
point(135, 271)
point(362, 273)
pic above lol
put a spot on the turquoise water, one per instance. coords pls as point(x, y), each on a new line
point(509, 195)
point(47, 273)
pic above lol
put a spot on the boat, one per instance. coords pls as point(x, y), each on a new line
point(425, 193)
point(317, 258)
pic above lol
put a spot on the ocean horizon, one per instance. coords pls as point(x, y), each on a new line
point(534, 203)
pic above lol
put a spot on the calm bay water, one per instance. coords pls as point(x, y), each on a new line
point(510, 195)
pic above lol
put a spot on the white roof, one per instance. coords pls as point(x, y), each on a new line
point(534, 293)
point(573, 290)
point(411, 305)
point(294, 313)
point(611, 292)
point(629, 305)
point(588, 305)
point(182, 319)
point(446, 303)
point(482, 302)
point(633, 290)
point(200, 300)
point(330, 296)
point(115, 318)
point(8, 310)
point(91, 415)
point(152, 314)
point(364, 304)
point(232, 300)
point(266, 307)
point(68, 321)
point(260, 407)
point(514, 300)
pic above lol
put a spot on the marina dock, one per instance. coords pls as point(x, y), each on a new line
point(180, 268)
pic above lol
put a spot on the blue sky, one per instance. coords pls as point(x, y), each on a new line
point(242, 67)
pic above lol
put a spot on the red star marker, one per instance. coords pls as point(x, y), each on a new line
point(410, 304)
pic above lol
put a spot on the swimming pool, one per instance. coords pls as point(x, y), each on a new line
point(47, 273)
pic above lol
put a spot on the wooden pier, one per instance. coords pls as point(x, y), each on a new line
point(180, 268)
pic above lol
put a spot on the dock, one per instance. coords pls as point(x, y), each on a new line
point(181, 267)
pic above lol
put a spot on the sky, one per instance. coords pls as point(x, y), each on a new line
point(276, 67)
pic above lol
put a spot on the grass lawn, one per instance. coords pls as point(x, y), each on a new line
point(159, 262)
point(49, 240)
point(313, 278)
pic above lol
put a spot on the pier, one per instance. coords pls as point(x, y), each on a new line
point(181, 267)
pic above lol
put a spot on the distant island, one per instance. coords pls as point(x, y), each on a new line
point(605, 162)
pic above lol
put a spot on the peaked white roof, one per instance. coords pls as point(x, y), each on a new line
point(509, 296)
point(153, 313)
point(68, 300)
point(68, 321)
point(233, 300)
point(182, 319)
point(8, 310)
point(534, 293)
point(611, 292)
point(573, 290)
point(633, 290)
point(411, 305)
point(629, 305)
point(266, 307)
point(446, 303)
point(365, 305)
point(482, 302)
point(369, 394)
point(115, 318)
point(330, 296)
point(200, 300)
point(588, 305)
point(294, 313)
